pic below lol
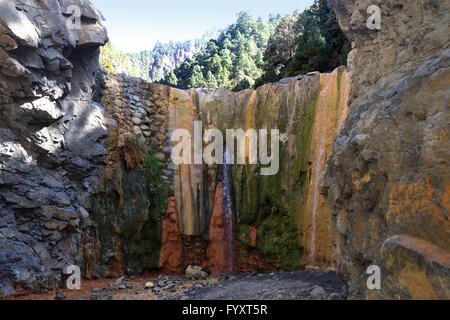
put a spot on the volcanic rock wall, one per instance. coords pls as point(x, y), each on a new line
point(49, 141)
point(388, 181)
point(129, 203)
point(274, 224)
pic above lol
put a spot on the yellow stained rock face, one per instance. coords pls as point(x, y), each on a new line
point(331, 112)
point(182, 114)
point(414, 269)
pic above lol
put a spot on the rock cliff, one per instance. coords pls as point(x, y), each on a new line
point(49, 140)
point(388, 180)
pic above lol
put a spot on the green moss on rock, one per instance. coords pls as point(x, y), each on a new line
point(129, 210)
point(274, 203)
point(278, 242)
point(244, 235)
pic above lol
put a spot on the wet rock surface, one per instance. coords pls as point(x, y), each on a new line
point(171, 254)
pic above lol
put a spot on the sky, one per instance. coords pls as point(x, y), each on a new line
point(135, 25)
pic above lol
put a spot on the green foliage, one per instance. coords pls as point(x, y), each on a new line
point(270, 76)
point(233, 61)
point(305, 42)
point(115, 61)
point(248, 53)
point(322, 45)
point(281, 48)
point(244, 84)
point(152, 167)
point(155, 64)
point(311, 54)
point(278, 241)
point(107, 58)
point(172, 78)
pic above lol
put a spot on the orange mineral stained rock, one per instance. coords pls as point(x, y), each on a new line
point(253, 235)
point(331, 112)
point(218, 259)
point(172, 244)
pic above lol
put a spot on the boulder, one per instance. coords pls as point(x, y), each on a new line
point(196, 272)
point(414, 269)
point(318, 293)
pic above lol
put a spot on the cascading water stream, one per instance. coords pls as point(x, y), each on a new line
point(228, 218)
point(322, 110)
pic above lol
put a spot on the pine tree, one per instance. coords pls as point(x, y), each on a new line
point(197, 80)
point(171, 79)
point(235, 56)
point(310, 54)
point(301, 43)
point(211, 81)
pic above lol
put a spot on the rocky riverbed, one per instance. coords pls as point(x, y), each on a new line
point(305, 285)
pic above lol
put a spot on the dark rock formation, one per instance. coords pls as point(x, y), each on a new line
point(49, 140)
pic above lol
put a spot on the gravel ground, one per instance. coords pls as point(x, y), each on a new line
point(306, 285)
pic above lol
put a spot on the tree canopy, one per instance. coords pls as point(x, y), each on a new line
point(153, 65)
point(248, 53)
point(233, 61)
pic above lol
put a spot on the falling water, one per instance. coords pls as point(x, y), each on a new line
point(321, 123)
point(228, 212)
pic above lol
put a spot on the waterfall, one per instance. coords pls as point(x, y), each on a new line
point(228, 218)
point(321, 123)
